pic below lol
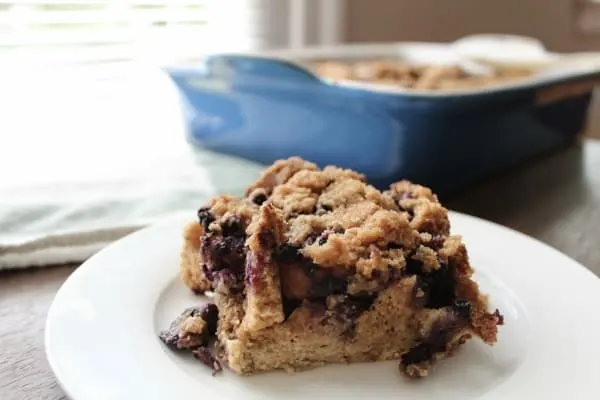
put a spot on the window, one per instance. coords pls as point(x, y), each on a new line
point(111, 35)
point(82, 156)
point(50, 48)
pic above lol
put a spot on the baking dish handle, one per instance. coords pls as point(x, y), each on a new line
point(228, 66)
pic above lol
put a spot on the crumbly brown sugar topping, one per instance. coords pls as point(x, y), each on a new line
point(336, 219)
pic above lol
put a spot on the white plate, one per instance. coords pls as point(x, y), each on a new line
point(101, 333)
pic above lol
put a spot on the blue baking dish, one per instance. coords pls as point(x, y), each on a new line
point(268, 107)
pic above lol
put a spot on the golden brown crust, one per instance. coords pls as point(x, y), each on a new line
point(420, 202)
point(263, 306)
point(279, 173)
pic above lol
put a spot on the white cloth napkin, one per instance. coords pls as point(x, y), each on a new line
point(62, 223)
point(82, 167)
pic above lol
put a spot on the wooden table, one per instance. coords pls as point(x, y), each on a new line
point(555, 199)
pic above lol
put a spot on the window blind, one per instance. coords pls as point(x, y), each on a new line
point(110, 35)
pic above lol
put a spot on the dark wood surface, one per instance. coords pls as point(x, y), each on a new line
point(25, 297)
point(555, 199)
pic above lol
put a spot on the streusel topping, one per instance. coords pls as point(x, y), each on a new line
point(335, 219)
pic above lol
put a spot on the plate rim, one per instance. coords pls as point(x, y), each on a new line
point(84, 268)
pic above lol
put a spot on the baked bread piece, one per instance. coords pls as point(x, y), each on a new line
point(316, 266)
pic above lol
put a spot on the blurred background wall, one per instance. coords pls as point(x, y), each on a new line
point(563, 25)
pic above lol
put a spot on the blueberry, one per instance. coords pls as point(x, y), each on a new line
point(463, 308)
point(441, 287)
point(438, 284)
point(413, 267)
point(210, 315)
point(259, 198)
point(225, 258)
point(205, 217)
point(288, 253)
point(207, 272)
point(171, 338)
point(435, 342)
point(418, 354)
point(228, 252)
point(289, 306)
point(324, 282)
point(233, 227)
point(392, 246)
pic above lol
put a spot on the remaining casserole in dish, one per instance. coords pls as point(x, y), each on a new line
point(479, 119)
point(416, 76)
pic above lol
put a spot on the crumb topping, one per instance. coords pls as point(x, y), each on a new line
point(335, 218)
point(355, 223)
point(281, 171)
